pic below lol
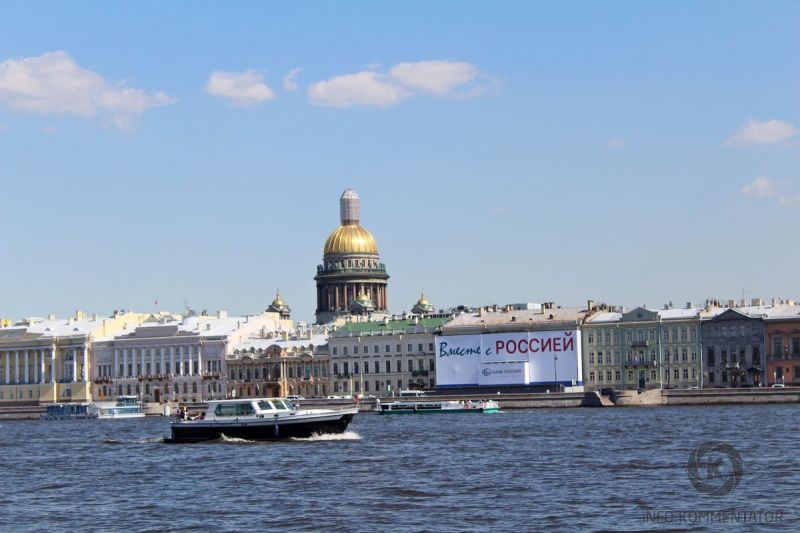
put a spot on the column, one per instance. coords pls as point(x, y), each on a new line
point(180, 353)
point(142, 352)
point(41, 366)
point(161, 361)
point(86, 375)
point(8, 366)
point(53, 364)
point(152, 360)
point(74, 365)
point(171, 360)
point(200, 359)
point(27, 369)
point(124, 363)
point(16, 366)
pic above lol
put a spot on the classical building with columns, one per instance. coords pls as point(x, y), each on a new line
point(351, 278)
point(176, 359)
point(46, 360)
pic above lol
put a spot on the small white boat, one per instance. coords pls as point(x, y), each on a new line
point(124, 407)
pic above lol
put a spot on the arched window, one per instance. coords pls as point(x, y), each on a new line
point(185, 388)
point(129, 390)
point(194, 388)
point(176, 388)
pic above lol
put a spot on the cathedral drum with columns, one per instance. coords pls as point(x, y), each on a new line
point(351, 278)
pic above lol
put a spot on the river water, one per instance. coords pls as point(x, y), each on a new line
point(549, 469)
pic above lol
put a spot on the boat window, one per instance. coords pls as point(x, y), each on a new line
point(279, 404)
point(225, 409)
point(265, 405)
point(243, 409)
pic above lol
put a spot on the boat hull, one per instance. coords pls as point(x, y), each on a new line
point(260, 429)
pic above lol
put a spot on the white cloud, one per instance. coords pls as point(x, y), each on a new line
point(360, 89)
point(613, 144)
point(754, 132)
point(435, 77)
point(789, 199)
point(761, 187)
point(53, 83)
point(246, 88)
point(290, 80)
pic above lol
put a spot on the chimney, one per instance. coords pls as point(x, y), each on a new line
point(480, 311)
point(589, 305)
point(51, 317)
point(222, 314)
point(494, 308)
point(689, 305)
point(731, 303)
point(742, 302)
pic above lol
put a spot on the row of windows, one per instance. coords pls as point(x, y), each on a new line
point(177, 350)
point(778, 347)
point(611, 358)
point(676, 374)
point(741, 330)
point(730, 354)
point(376, 366)
point(188, 366)
point(675, 334)
point(376, 349)
point(130, 390)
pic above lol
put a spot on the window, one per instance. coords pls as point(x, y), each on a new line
point(675, 373)
point(344, 350)
point(591, 358)
point(355, 350)
point(335, 368)
point(346, 368)
point(335, 350)
point(710, 357)
point(724, 376)
point(410, 348)
point(777, 347)
point(386, 348)
point(366, 367)
point(430, 346)
point(694, 355)
point(599, 358)
point(711, 377)
point(608, 376)
point(377, 367)
point(652, 375)
point(432, 365)
point(410, 365)
point(795, 345)
point(366, 349)
point(591, 376)
point(399, 365)
point(419, 347)
point(630, 375)
point(591, 337)
point(377, 385)
point(616, 375)
point(398, 349)
point(684, 354)
point(399, 384)
point(388, 366)
point(375, 349)
point(685, 374)
point(366, 386)
point(683, 334)
point(355, 368)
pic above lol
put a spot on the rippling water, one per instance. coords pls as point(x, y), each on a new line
point(557, 469)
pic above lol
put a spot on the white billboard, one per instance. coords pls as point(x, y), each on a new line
point(552, 357)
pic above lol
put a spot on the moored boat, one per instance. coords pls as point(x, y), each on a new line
point(404, 407)
point(70, 411)
point(124, 407)
point(259, 419)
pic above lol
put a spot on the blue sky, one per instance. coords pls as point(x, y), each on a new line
point(627, 152)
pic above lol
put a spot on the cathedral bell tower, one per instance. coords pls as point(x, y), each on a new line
point(351, 275)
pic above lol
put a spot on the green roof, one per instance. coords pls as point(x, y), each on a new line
point(391, 325)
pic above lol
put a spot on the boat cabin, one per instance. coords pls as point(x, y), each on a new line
point(257, 408)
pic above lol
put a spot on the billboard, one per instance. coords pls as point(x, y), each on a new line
point(548, 357)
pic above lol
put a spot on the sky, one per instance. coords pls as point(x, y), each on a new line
point(155, 154)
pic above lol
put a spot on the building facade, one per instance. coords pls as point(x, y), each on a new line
point(381, 357)
point(281, 365)
point(643, 349)
point(734, 350)
point(783, 345)
point(46, 360)
point(351, 278)
point(175, 359)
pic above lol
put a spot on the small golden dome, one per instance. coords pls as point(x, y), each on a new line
point(422, 300)
point(350, 239)
point(278, 301)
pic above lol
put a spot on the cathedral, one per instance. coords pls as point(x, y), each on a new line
point(351, 279)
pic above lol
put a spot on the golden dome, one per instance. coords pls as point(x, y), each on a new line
point(422, 300)
point(278, 301)
point(350, 239)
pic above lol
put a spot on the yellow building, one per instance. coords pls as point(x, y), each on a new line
point(47, 360)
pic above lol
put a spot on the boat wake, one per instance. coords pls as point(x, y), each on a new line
point(234, 440)
point(347, 435)
point(147, 440)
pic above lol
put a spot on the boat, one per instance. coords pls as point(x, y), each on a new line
point(259, 419)
point(124, 407)
point(406, 407)
point(70, 411)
